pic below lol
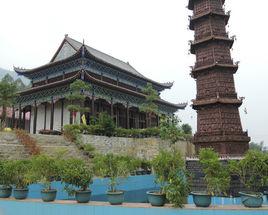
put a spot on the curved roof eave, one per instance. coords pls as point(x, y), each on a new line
point(100, 56)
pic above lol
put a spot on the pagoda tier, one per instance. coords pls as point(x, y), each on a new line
point(218, 121)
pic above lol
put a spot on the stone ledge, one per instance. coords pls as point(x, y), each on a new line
point(142, 205)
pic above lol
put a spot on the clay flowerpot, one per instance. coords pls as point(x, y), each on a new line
point(115, 198)
point(201, 199)
point(48, 195)
point(251, 199)
point(5, 191)
point(20, 193)
point(156, 198)
point(82, 196)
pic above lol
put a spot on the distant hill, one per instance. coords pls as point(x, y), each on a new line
point(3, 72)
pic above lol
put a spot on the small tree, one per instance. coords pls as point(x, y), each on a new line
point(112, 166)
point(217, 175)
point(75, 172)
point(21, 173)
point(106, 123)
point(45, 169)
point(77, 98)
point(8, 91)
point(170, 129)
point(6, 173)
point(186, 128)
point(252, 170)
point(171, 175)
point(256, 146)
point(149, 106)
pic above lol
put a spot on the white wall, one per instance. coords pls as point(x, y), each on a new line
point(66, 114)
point(40, 118)
point(32, 119)
point(57, 116)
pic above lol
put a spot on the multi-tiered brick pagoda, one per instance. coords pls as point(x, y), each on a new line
point(218, 121)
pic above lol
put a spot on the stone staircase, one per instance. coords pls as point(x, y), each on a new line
point(54, 145)
point(10, 147)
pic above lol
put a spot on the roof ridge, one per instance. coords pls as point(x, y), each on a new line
point(101, 52)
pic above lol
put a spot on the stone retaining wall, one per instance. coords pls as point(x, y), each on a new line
point(146, 148)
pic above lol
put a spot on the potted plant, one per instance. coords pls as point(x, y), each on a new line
point(5, 179)
point(20, 178)
point(171, 176)
point(75, 173)
point(252, 171)
point(45, 170)
point(217, 178)
point(115, 168)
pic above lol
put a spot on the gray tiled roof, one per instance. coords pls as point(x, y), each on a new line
point(105, 57)
point(76, 45)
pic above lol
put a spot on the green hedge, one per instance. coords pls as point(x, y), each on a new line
point(117, 132)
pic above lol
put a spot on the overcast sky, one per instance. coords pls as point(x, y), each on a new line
point(151, 34)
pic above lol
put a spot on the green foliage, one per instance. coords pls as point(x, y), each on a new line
point(45, 169)
point(177, 189)
point(217, 175)
point(103, 125)
point(71, 132)
point(163, 164)
point(171, 130)
point(19, 84)
point(252, 170)
point(149, 106)
point(113, 166)
point(256, 146)
point(75, 172)
point(186, 128)
point(89, 148)
point(73, 108)
point(8, 91)
point(171, 175)
point(106, 123)
point(6, 173)
point(78, 97)
point(21, 173)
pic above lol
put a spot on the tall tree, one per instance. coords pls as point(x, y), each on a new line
point(20, 85)
point(256, 146)
point(77, 98)
point(8, 91)
point(187, 129)
point(149, 106)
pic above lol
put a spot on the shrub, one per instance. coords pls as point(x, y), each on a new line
point(45, 169)
point(170, 129)
point(75, 172)
point(6, 173)
point(71, 132)
point(217, 176)
point(171, 175)
point(21, 173)
point(106, 124)
point(252, 170)
point(89, 150)
point(186, 128)
point(29, 143)
point(112, 166)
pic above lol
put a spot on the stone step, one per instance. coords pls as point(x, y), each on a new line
point(13, 151)
point(51, 140)
point(54, 144)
